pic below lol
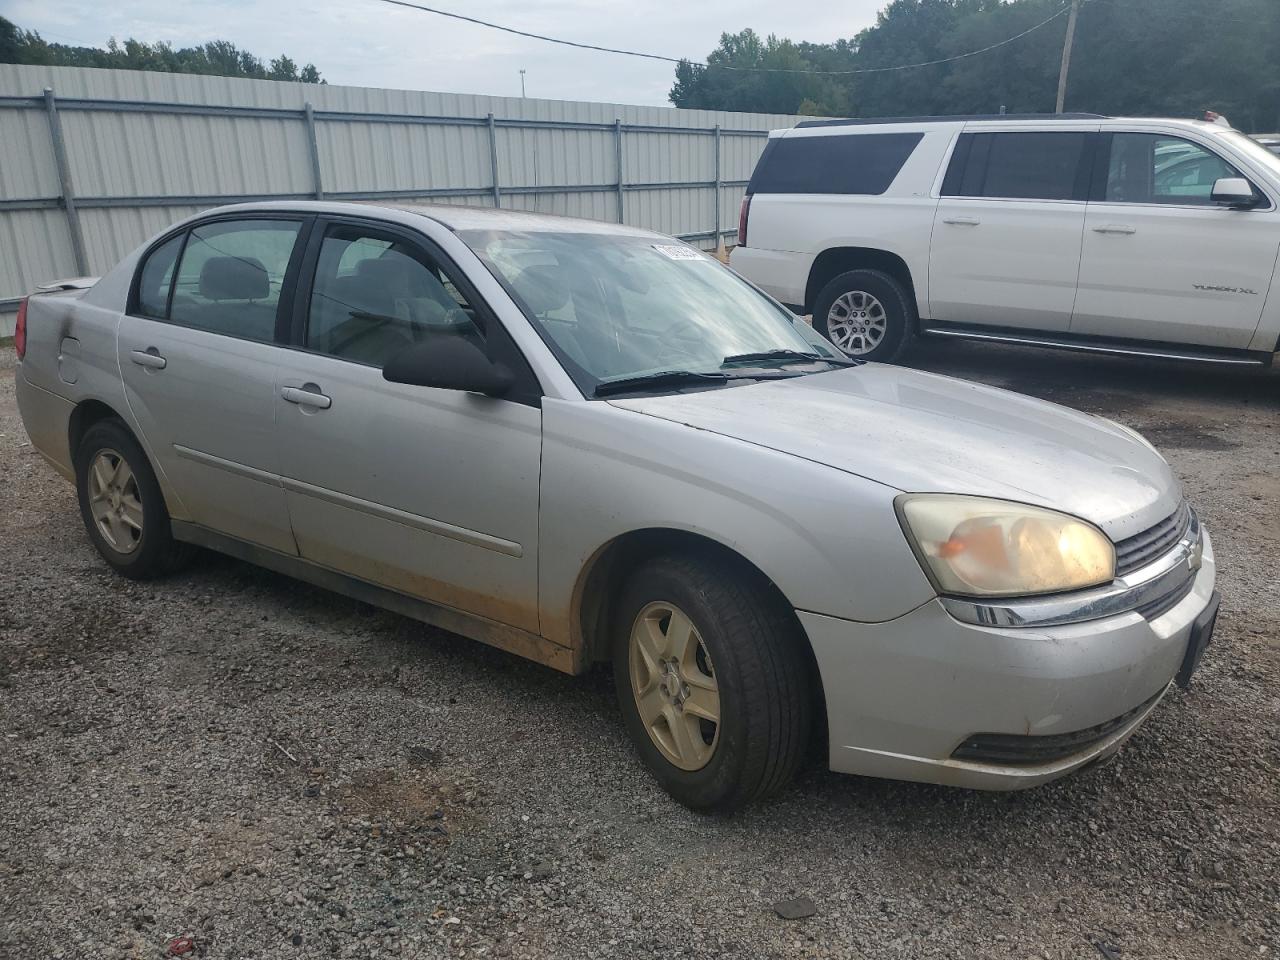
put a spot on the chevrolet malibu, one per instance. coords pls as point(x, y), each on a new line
point(586, 443)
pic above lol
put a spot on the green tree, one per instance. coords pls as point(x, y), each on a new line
point(216, 58)
point(1132, 57)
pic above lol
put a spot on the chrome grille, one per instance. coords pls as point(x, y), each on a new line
point(1137, 551)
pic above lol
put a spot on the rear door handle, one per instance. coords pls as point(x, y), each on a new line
point(962, 221)
point(1121, 228)
point(308, 395)
point(149, 357)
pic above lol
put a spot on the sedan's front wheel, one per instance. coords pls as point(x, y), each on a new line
point(714, 688)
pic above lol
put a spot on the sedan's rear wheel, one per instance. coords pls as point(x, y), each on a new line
point(712, 681)
point(121, 503)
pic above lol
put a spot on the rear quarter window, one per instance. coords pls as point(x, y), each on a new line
point(860, 163)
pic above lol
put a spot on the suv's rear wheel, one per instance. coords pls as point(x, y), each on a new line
point(121, 503)
point(867, 314)
point(712, 683)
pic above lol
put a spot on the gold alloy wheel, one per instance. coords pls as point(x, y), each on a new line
point(114, 502)
point(674, 685)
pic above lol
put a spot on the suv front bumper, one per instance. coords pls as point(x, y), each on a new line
point(904, 695)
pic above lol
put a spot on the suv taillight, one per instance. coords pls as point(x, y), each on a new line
point(20, 329)
point(742, 220)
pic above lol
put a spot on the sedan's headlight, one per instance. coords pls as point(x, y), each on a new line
point(977, 547)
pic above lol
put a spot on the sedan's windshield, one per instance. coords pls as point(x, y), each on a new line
point(618, 308)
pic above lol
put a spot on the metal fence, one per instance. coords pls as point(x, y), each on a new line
point(92, 162)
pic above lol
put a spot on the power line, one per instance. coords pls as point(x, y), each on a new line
point(722, 66)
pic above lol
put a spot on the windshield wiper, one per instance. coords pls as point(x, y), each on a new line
point(787, 356)
point(662, 378)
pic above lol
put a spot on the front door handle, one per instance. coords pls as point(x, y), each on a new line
point(308, 395)
point(150, 358)
point(963, 221)
point(1120, 228)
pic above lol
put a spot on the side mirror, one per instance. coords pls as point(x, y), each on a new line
point(448, 362)
point(1234, 192)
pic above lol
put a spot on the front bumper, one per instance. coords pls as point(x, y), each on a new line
point(903, 695)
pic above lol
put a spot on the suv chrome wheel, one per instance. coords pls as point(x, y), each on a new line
point(674, 686)
point(856, 322)
point(114, 502)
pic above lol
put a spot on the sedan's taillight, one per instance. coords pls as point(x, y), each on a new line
point(742, 220)
point(20, 329)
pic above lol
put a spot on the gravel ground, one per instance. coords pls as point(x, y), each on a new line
point(273, 771)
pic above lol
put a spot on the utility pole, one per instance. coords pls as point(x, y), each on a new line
point(522, 83)
point(1066, 54)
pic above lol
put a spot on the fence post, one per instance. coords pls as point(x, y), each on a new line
point(719, 237)
point(493, 161)
point(68, 194)
point(314, 147)
point(617, 156)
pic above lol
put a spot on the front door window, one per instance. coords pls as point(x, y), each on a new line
point(1150, 168)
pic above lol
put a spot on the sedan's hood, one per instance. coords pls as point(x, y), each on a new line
point(921, 432)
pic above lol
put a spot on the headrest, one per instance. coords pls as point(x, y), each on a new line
point(542, 288)
point(234, 278)
point(392, 274)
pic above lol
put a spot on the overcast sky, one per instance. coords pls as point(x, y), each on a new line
point(373, 44)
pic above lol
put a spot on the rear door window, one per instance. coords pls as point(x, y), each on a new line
point(230, 277)
point(1020, 166)
point(156, 278)
point(858, 163)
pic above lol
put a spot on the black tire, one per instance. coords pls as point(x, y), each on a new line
point(897, 304)
point(153, 551)
point(763, 679)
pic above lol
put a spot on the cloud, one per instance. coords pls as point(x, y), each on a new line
point(373, 44)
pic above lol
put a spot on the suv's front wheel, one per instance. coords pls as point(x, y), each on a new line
point(867, 314)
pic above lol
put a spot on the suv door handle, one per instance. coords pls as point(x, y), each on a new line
point(962, 221)
point(308, 395)
point(149, 357)
point(1122, 228)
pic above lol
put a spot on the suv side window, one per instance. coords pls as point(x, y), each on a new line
point(1152, 168)
point(375, 294)
point(1019, 166)
point(230, 276)
point(854, 163)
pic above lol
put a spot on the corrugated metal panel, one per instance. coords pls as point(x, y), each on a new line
point(147, 154)
point(26, 155)
point(37, 247)
point(117, 151)
point(384, 156)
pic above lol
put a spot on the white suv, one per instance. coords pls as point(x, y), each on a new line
point(1153, 237)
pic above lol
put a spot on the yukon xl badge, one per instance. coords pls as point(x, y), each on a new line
point(1216, 289)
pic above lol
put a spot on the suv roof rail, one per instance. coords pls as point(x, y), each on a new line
point(867, 121)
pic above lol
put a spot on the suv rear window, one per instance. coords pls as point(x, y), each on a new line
point(863, 163)
point(1019, 166)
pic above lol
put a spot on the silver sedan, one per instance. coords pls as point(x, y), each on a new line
point(587, 443)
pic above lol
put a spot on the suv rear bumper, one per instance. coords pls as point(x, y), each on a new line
point(781, 274)
point(904, 695)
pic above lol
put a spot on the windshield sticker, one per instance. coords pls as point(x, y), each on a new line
point(678, 252)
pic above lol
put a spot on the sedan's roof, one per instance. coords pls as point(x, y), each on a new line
point(455, 217)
